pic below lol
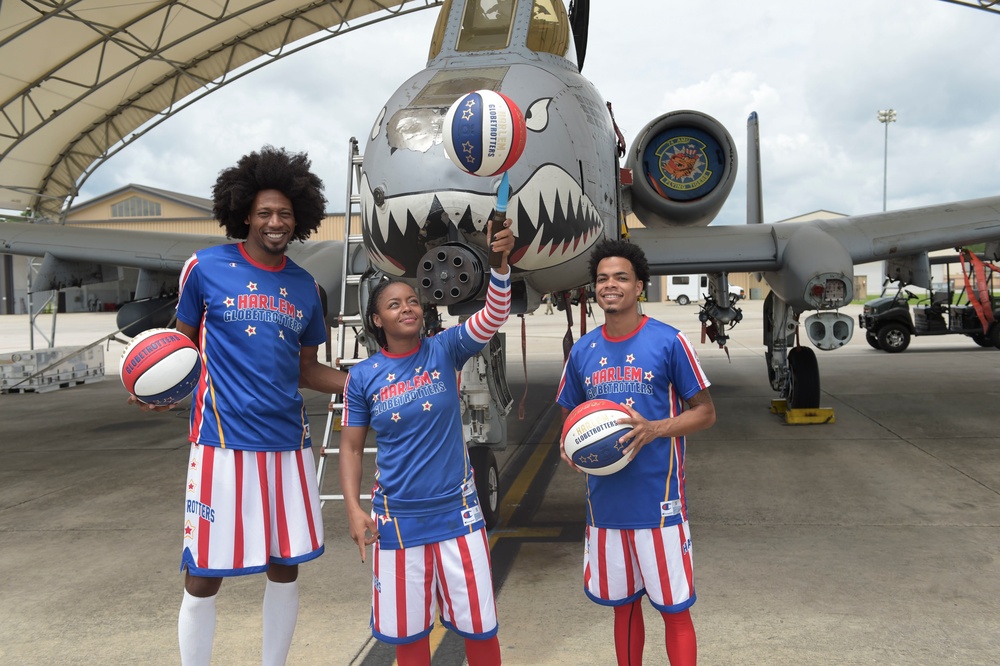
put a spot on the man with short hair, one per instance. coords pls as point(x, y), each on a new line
point(638, 541)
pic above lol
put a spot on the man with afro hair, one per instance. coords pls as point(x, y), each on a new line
point(251, 502)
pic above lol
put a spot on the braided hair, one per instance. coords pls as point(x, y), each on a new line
point(377, 331)
point(270, 169)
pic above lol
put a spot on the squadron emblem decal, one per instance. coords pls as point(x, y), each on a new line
point(683, 163)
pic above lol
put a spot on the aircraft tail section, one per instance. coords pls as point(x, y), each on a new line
point(755, 200)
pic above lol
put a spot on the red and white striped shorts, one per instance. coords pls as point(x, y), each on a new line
point(410, 585)
point(620, 565)
point(247, 509)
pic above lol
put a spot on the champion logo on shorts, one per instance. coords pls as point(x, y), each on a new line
point(671, 508)
point(471, 515)
point(469, 487)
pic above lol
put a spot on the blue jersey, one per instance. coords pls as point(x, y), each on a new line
point(654, 370)
point(252, 320)
point(424, 486)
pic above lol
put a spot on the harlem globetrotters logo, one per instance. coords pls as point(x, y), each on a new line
point(683, 163)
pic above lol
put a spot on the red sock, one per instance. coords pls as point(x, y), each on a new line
point(483, 653)
point(630, 634)
point(682, 644)
point(417, 653)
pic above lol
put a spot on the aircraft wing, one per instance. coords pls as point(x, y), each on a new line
point(76, 256)
point(864, 238)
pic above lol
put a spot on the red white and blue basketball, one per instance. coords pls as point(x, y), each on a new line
point(160, 366)
point(484, 133)
point(590, 437)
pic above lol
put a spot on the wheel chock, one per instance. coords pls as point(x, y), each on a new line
point(813, 416)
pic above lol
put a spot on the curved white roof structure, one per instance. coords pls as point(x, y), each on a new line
point(81, 79)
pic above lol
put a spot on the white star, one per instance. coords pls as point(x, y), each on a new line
point(630, 358)
point(229, 302)
point(604, 361)
point(283, 291)
point(587, 381)
point(396, 417)
point(648, 376)
point(251, 330)
point(281, 334)
point(630, 401)
point(391, 377)
point(252, 286)
point(427, 406)
point(435, 375)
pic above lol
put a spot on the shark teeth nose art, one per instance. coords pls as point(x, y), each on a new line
point(553, 220)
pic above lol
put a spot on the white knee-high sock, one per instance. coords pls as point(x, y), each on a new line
point(281, 610)
point(196, 629)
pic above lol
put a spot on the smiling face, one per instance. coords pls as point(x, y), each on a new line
point(399, 314)
point(271, 222)
point(617, 288)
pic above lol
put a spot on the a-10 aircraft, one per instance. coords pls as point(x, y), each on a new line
point(422, 216)
point(424, 220)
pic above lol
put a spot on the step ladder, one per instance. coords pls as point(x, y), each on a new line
point(355, 269)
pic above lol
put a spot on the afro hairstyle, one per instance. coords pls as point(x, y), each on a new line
point(270, 169)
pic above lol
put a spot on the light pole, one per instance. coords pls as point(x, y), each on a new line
point(886, 117)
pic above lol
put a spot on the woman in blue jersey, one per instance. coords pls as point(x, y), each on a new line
point(431, 553)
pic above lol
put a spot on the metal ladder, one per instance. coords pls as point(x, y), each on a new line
point(351, 316)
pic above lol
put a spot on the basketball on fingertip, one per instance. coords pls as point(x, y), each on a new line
point(590, 437)
point(484, 133)
point(160, 366)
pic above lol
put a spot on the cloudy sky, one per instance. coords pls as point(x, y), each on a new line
point(815, 72)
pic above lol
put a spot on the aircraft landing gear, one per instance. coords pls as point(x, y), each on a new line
point(792, 370)
point(803, 379)
point(484, 464)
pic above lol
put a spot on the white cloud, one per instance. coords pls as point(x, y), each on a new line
point(816, 73)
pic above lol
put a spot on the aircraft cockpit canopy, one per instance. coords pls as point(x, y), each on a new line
point(487, 25)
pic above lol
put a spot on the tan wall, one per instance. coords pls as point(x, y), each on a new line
point(102, 211)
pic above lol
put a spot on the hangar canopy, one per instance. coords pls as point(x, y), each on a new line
point(81, 79)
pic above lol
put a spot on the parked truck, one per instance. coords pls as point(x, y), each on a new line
point(684, 289)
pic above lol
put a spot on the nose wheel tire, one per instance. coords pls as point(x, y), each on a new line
point(487, 475)
point(803, 378)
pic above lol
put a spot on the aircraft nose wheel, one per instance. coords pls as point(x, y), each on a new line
point(803, 379)
point(487, 475)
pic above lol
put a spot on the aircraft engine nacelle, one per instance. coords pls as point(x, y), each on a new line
point(683, 168)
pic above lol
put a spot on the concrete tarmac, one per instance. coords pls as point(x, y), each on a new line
point(871, 540)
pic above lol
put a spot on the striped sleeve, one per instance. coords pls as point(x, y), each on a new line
point(483, 324)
